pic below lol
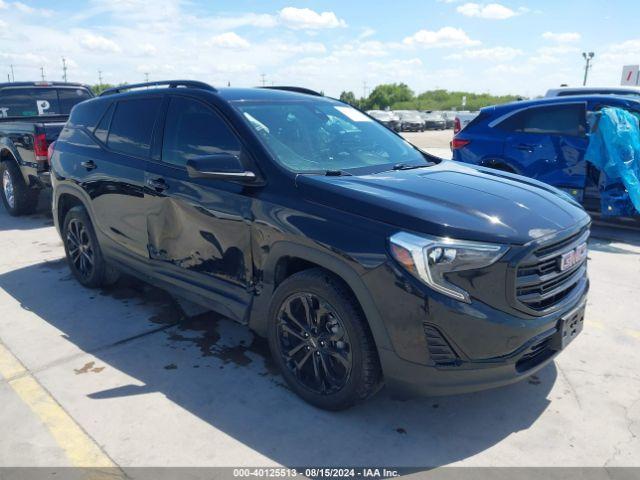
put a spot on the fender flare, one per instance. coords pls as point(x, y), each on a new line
point(258, 320)
point(81, 195)
point(9, 150)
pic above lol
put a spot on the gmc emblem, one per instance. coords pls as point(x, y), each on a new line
point(573, 257)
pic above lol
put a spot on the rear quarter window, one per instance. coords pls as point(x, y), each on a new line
point(132, 126)
point(87, 114)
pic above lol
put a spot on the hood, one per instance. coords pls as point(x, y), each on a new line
point(451, 199)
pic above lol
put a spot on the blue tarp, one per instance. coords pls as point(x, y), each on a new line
point(614, 148)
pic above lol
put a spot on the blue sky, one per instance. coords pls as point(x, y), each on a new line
point(507, 46)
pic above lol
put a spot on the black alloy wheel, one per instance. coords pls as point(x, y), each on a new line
point(314, 343)
point(80, 248)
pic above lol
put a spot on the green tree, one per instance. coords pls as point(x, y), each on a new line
point(349, 97)
point(98, 88)
point(385, 95)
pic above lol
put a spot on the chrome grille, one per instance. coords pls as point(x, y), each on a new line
point(540, 284)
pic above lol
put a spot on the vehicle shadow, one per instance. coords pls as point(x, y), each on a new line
point(217, 370)
point(39, 219)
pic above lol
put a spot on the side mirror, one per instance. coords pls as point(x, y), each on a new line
point(220, 166)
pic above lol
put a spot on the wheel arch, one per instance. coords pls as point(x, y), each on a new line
point(65, 198)
point(286, 259)
point(7, 154)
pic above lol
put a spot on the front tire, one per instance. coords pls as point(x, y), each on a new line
point(17, 197)
point(321, 342)
point(84, 255)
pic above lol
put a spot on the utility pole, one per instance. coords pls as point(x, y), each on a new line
point(42, 73)
point(64, 70)
point(588, 57)
point(146, 77)
point(13, 78)
point(262, 75)
point(364, 89)
point(99, 77)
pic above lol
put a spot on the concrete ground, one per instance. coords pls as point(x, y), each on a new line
point(124, 377)
point(435, 142)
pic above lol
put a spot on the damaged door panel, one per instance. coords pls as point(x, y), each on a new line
point(198, 228)
point(549, 143)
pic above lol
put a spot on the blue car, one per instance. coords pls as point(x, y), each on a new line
point(545, 139)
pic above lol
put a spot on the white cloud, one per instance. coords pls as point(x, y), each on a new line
point(257, 20)
point(491, 11)
point(303, 47)
point(367, 48)
point(445, 37)
point(3, 5)
point(307, 19)
point(499, 54)
point(99, 43)
point(565, 37)
point(366, 33)
point(228, 40)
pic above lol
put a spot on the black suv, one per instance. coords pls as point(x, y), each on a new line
point(358, 256)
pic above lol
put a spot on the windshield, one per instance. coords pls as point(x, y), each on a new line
point(314, 136)
point(38, 101)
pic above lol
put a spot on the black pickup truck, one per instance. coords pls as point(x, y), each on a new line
point(32, 114)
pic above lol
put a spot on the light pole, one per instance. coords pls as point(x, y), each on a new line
point(587, 57)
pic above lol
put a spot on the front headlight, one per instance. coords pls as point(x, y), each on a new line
point(431, 258)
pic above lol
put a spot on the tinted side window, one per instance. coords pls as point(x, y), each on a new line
point(132, 126)
point(192, 129)
point(102, 130)
point(557, 120)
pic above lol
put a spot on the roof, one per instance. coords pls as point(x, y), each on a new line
point(42, 84)
point(262, 94)
point(621, 89)
point(607, 99)
point(229, 94)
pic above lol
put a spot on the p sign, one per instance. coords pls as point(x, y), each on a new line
point(630, 75)
point(43, 106)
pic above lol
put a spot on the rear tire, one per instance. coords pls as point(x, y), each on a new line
point(84, 255)
point(17, 197)
point(321, 342)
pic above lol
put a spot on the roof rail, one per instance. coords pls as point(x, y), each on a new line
point(306, 91)
point(169, 83)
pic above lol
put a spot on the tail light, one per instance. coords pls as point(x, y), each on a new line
point(457, 143)
point(456, 125)
point(40, 147)
point(50, 150)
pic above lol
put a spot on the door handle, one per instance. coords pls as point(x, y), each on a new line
point(525, 147)
point(157, 184)
point(89, 164)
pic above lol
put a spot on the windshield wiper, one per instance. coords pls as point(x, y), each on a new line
point(336, 173)
point(411, 166)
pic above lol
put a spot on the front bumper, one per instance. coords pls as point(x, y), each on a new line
point(461, 376)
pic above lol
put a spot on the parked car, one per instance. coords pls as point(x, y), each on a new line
point(633, 92)
point(31, 117)
point(362, 259)
point(450, 119)
point(545, 139)
point(387, 118)
point(410, 121)
point(433, 121)
point(462, 119)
